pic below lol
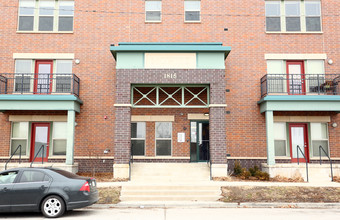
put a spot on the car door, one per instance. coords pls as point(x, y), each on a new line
point(7, 179)
point(29, 190)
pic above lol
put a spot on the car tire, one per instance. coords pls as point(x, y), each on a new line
point(53, 207)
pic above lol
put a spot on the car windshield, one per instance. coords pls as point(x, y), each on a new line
point(8, 177)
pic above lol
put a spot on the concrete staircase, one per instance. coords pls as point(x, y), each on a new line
point(170, 182)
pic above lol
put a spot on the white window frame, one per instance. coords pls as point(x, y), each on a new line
point(53, 138)
point(160, 18)
point(312, 139)
point(36, 16)
point(171, 141)
point(302, 17)
point(140, 139)
point(27, 138)
point(198, 21)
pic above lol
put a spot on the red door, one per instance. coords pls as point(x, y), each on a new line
point(43, 76)
point(40, 141)
point(296, 78)
point(298, 136)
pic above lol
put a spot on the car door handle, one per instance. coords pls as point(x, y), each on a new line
point(5, 189)
point(43, 187)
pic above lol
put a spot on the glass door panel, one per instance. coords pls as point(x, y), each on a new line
point(40, 141)
point(296, 79)
point(298, 137)
point(43, 77)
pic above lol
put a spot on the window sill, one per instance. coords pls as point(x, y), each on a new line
point(44, 32)
point(282, 158)
point(153, 22)
point(294, 32)
point(56, 157)
point(192, 22)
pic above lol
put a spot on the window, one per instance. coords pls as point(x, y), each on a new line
point(24, 77)
point(293, 16)
point(192, 11)
point(46, 15)
point(163, 138)
point(319, 136)
point(280, 139)
point(138, 138)
point(59, 137)
point(8, 177)
point(33, 176)
point(153, 11)
point(19, 137)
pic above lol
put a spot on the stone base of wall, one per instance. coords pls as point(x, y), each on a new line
point(70, 168)
point(219, 170)
point(121, 171)
point(316, 172)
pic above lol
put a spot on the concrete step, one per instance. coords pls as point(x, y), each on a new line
point(169, 198)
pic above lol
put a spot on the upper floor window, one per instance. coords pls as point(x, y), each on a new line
point(293, 16)
point(46, 15)
point(192, 11)
point(153, 10)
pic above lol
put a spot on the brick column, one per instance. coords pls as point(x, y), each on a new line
point(218, 143)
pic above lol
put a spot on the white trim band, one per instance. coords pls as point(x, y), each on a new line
point(122, 105)
point(67, 56)
point(321, 56)
point(218, 105)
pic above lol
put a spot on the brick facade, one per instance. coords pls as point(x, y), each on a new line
point(97, 24)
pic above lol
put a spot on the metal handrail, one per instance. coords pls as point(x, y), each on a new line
point(130, 162)
point(42, 156)
point(19, 147)
point(330, 161)
point(299, 149)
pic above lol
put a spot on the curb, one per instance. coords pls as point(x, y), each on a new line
point(142, 205)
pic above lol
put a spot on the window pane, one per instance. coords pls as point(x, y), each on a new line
point(66, 7)
point(163, 130)
point(65, 24)
point(280, 148)
point(46, 7)
point(23, 66)
point(319, 131)
point(273, 24)
point(32, 176)
point(19, 129)
point(138, 130)
point(192, 15)
point(163, 147)
point(313, 24)
point(8, 177)
point(45, 23)
point(153, 16)
point(193, 131)
point(312, 8)
point(316, 145)
point(292, 8)
point(273, 9)
point(192, 5)
point(138, 147)
point(280, 131)
point(293, 24)
point(26, 7)
point(64, 66)
point(16, 143)
point(59, 147)
point(26, 23)
point(60, 130)
point(153, 5)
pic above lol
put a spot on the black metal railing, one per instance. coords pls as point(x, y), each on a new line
point(330, 161)
point(298, 162)
point(42, 155)
point(130, 161)
point(30, 83)
point(300, 84)
point(19, 147)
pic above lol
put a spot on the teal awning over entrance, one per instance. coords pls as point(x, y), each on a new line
point(171, 47)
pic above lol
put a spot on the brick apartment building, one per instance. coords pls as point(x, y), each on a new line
point(95, 82)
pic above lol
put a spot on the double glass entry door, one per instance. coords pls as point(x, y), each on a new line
point(199, 141)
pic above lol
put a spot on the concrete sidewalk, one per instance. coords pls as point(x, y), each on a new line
point(224, 183)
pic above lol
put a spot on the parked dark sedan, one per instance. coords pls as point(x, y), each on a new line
point(48, 190)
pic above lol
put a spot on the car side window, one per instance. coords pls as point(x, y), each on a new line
point(33, 176)
point(8, 177)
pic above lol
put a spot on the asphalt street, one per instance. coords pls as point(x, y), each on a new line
point(190, 213)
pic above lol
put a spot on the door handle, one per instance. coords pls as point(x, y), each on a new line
point(43, 187)
point(5, 189)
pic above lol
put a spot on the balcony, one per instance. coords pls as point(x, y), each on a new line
point(42, 84)
point(29, 91)
point(300, 84)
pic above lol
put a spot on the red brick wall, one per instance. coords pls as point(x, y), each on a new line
point(95, 31)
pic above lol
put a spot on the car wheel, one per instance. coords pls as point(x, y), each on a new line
point(53, 207)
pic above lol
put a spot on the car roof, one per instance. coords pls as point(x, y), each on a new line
point(30, 168)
